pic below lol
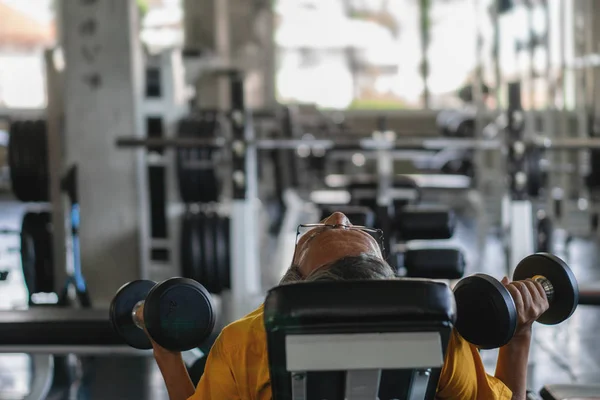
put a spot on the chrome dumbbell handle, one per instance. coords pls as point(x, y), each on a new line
point(135, 314)
point(547, 285)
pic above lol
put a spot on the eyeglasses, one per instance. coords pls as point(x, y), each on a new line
point(313, 230)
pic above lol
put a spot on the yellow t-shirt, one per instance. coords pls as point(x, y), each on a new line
point(238, 367)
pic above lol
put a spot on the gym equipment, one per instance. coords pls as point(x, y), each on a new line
point(61, 329)
point(434, 263)
point(486, 312)
point(442, 121)
point(536, 177)
point(382, 339)
point(196, 173)
point(544, 234)
point(461, 124)
point(28, 160)
point(205, 250)
point(177, 313)
point(558, 281)
point(424, 223)
point(589, 294)
point(37, 253)
point(345, 143)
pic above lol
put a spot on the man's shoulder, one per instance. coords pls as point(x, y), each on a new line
point(244, 332)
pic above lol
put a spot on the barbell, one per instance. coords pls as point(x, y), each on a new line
point(539, 142)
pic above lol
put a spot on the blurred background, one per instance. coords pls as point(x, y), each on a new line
point(356, 55)
point(467, 130)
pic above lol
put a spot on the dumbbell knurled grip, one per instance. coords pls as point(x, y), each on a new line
point(134, 314)
point(547, 285)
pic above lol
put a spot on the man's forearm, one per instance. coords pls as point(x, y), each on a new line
point(512, 365)
point(178, 382)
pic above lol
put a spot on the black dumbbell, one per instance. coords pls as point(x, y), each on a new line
point(486, 312)
point(177, 313)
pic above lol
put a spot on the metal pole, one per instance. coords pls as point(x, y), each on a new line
point(483, 173)
point(55, 110)
point(532, 73)
point(223, 47)
point(425, 38)
point(245, 270)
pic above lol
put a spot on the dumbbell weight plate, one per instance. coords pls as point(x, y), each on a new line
point(219, 250)
point(29, 160)
point(486, 312)
point(28, 252)
point(179, 314)
point(566, 290)
point(187, 246)
point(121, 309)
point(225, 225)
point(211, 281)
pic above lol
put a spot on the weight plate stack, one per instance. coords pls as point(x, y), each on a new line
point(36, 252)
point(28, 160)
point(196, 173)
point(222, 251)
point(225, 225)
point(210, 281)
point(536, 179)
point(191, 251)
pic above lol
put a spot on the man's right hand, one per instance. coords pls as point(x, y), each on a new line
point(159, 351)
point(531, 302)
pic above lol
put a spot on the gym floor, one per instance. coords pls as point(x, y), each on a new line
point(568, 353)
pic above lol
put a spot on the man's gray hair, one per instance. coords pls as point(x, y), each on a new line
point(362, 267)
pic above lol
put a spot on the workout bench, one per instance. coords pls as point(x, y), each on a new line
point(359, 339)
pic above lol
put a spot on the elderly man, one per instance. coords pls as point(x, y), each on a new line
point(237, 366)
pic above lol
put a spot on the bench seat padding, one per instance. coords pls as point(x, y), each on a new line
point(414, 306)
point(57, 326)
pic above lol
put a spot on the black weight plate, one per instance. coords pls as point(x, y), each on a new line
point(535, 175)
point(187, 247)
point(183, 156)
point(544, 235)
point(201, 264)
point(226, 225)
point(28, 252)
point(17, 160)
point(32, 155)
point(179, 314)
point(566, 289)
point(44, 261)
point(197, 177)
point(209, 184)
point(211, 281)
point(28, 186)
point(215, 226)
point(196, 127)
point(41, 164)
point(221, 253)
point(120, 313)
point(192, 248)
point(14, 157)
point(486, 312)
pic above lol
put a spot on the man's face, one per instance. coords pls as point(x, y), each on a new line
point(323, 245)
